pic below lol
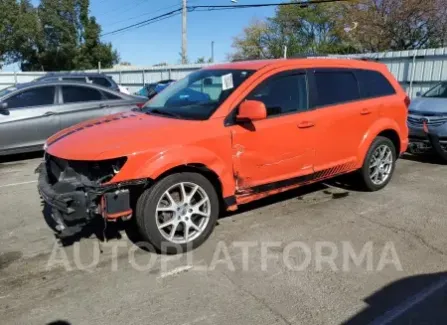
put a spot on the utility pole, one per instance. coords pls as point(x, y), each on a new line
point(212, 51)
point(184, 40)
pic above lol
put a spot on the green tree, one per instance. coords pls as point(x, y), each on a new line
point(308, 29)
point(57, 35)
point(19, 30)
point(383, 25)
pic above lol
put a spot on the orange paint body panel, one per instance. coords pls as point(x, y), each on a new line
point(303, 147)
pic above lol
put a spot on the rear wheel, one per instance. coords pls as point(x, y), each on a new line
point(379, 164)
point(178, 213)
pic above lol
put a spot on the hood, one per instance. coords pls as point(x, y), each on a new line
point(427, 105)
point(112, 136)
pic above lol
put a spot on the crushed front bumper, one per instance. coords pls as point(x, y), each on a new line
point(72, 204)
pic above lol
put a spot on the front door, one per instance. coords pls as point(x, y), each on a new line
point(268, 153)
point(31, 118)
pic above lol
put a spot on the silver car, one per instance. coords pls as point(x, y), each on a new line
point(32, 112)
point(427, 121)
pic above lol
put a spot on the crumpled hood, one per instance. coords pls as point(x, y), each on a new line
point(112, 136)
point(425, 105)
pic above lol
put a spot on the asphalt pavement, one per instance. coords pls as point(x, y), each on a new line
point(322, 254)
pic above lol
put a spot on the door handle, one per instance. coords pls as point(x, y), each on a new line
point(365, 111)
point(49, 113)
point(306, 124)
point(103, 105)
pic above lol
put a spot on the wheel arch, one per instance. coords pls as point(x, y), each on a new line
point(384, 127)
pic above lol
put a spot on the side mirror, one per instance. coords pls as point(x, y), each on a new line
point(418, 94)
point(4, 108)
point(251, 110)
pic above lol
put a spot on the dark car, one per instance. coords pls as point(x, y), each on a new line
point(92, 78)
point(152, 89)
point(32, 112)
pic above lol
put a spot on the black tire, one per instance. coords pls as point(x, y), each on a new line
point(364, 172)
point(146, 212)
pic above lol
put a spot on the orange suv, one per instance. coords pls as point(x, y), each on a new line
point(224, 136)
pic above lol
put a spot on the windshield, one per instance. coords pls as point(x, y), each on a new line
point(438, 91)
point(6, 91)
point(198, 95)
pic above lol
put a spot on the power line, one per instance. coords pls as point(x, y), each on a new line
point(177, 11)
point(145, 22)
point(147, 13)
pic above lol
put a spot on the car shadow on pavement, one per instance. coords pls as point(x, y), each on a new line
point(21, 156)
point(420, 299)
point(59, 322)
point(428, 158)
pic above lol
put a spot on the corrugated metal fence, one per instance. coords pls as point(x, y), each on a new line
point(416, 71)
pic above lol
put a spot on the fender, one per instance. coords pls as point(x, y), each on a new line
point(156, 165)
point(378, 127)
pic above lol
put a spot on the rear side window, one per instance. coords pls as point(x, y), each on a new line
point(282, 94)
point(32, 97)
point(336, 87)
point(77, 94)
point(100, 81)
point(374, 84)
point(80, 79)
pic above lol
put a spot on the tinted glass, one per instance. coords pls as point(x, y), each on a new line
point(282, 94)
point(374, 84)
point(438, 91)
point(33, 97)
point(100, 81)
point(111, 96)
point(336, 87)
point(79, 79)
point(74, 94)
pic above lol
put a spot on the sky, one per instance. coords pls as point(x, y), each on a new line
point(161, 41)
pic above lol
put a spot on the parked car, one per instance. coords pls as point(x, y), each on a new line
point(152, 89)
point(258, 128)
point(92, 78)
point(32, 112)
point(427, 121)
point(123, 90)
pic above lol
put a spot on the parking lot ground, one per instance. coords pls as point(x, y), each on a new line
point(283, 277)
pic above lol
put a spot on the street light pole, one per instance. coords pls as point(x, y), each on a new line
point(212, 51)
point(184, 39)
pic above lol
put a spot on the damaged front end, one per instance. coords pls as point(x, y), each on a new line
point(78, 191)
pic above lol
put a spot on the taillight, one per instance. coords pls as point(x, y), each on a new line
point(407, 101)
point(140, 105)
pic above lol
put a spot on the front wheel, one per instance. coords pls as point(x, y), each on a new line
point(178, 213)
point(379, 164)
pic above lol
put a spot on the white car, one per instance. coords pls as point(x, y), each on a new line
point(123, 90)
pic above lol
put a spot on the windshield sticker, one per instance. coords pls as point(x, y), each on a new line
point(227, 81)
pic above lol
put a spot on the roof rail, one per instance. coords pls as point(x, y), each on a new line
point(332, 56)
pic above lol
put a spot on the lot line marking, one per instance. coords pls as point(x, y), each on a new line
point(175, 271)
point(16, 184)
point(398, 311)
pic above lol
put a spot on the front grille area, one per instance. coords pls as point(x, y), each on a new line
point(95, 171)
point(431, 121)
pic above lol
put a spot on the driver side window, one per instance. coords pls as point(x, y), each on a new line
point(32, 97)
point(282, 94)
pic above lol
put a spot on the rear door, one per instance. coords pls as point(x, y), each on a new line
point(343, 117)
point(32, 118)
point(81, 103)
